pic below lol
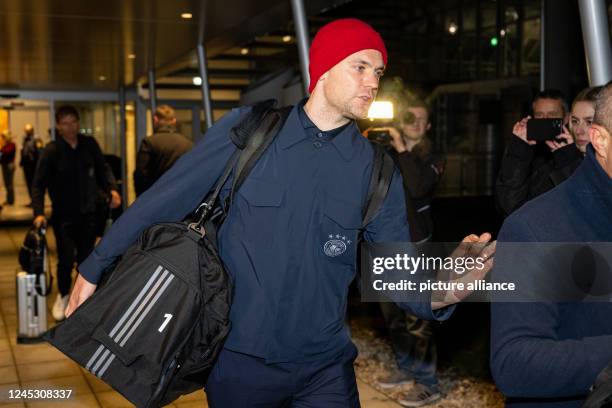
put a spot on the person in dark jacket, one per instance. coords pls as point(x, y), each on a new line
point(548, 354)
point(72, 168)
point(288, 345)
point(7, 161)
point(529, 169)
point(411, 337)
point(30, 152)
point(159, 151)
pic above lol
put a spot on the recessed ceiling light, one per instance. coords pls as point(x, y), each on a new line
point(102, 78)
point(197, 80)
point(244, 51)
point(286, 38)
point(186, 16)
point(452, 28)
point(132, 56)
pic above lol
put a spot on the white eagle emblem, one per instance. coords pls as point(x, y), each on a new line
point(336, 245)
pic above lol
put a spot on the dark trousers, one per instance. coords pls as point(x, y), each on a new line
point(413, 344)
point(75, 239)
point(28, 172)
point(242, 381)
point(8, 171)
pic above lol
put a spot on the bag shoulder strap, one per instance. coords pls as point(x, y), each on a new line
point(252, 136)
point(380, 181)
point(269, 124)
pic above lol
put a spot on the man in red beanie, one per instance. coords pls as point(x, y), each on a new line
point(291, 233)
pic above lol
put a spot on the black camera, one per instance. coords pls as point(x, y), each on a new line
point(380, 136)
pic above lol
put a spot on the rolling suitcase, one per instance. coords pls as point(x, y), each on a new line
point(32, 288)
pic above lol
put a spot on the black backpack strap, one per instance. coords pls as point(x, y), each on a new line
point(380, 181)
point(269, 125)
point(252, 136)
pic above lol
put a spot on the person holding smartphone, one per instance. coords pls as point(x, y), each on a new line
point(530, 168)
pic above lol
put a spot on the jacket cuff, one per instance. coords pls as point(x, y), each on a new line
point(90, 269)
point(518, 147)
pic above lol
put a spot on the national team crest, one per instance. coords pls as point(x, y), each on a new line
point(336, 245)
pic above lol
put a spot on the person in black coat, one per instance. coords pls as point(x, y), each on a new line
point(158, 152)
point(529, 169)
point(73, 170)
point(30, 153)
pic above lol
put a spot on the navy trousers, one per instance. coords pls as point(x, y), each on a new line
point(243, 381)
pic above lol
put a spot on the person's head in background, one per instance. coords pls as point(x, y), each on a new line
point(164, 117)
point(5, 137)
point(600, 132)
point(28, 129)
point(414, 120)
point(549, 104)
point(581, 116)
point(67, 122)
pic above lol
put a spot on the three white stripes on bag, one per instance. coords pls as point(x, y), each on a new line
point(131, 319)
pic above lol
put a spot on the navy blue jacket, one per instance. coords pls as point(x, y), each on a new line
point(548, 354)
point(308, 188)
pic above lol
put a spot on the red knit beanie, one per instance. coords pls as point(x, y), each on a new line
point(337, 40)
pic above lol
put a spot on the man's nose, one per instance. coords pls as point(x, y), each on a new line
point(371, 81)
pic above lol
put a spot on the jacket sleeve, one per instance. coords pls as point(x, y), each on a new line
point(512, 185)
point(170, 199)
point(527, 358)
point(44, 169)
point(142, 174)
point(419, 177)
point(391, 225)
point(104, 174)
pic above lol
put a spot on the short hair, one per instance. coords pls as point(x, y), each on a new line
point(414, 102)
point(587, 95)
point(65, 110)
point(165, 113)
point(603, 107)
point(552, 94)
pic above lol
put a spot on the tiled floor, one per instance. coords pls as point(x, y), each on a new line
point(41, 366)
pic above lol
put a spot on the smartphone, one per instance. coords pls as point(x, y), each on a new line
point(544, 129)
point(380, 136)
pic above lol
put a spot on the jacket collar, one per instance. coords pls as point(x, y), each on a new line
point(296, 130)
point(591, 179)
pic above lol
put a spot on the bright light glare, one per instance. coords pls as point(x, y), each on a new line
point(381, 110)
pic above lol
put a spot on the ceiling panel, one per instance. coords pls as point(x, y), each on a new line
point(78, 44)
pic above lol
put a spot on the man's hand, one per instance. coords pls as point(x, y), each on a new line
point(563, 139)
point(472, 246)
point(115, 199)
point(397, 141)
point(520, 130)
point(40, 221)
point(81, 292)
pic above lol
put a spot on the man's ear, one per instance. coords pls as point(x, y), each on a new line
point(600, 138)
point(428, 126)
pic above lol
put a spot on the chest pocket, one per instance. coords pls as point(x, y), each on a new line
point(340, 227)
point(258, 203)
